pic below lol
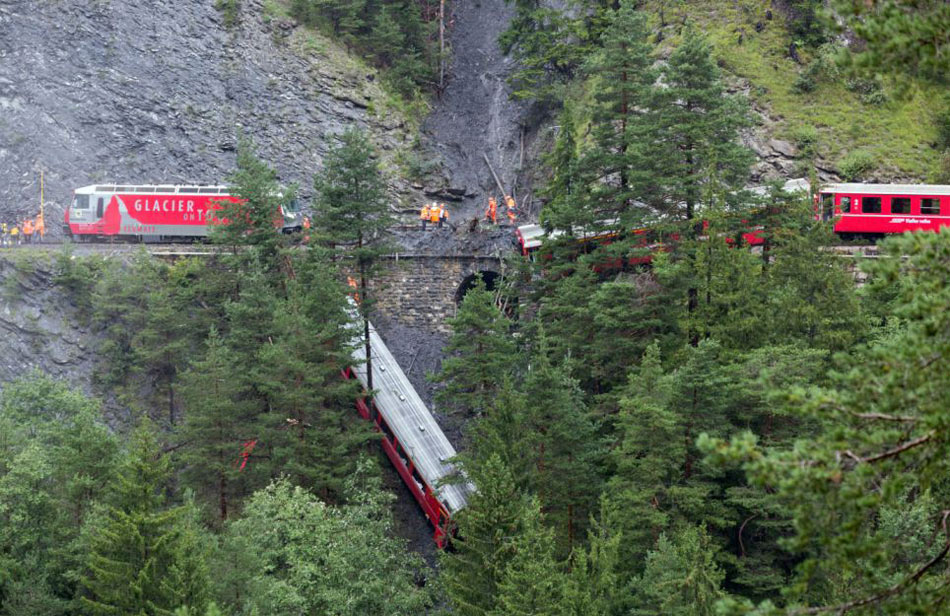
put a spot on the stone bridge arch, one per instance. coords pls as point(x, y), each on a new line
point(425, 291)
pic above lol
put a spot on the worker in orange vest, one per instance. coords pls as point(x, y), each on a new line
point(40, 229)
point(306, 229)
point(352, 283)
point(424, 215)
point(443, 214)
point(28, 231)
point(435, 214)
point(492, 212)
point(510, 202)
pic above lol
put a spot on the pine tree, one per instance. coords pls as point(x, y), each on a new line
point(352, 214)
point(695, 151)
point(532, 582)
point(311, 429)
point(594, 586)
point(616, 169)
point(567, 450)
point(143, 557)
point(218, 422)
point(681, 577)
point(489, 528)
point(249, 220)
point(478, 355)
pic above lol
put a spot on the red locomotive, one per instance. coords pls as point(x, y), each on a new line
point(155, 212)
point(874, 210)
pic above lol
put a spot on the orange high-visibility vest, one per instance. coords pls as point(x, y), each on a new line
point(434, 213)
point(425, 212)
point(28, 227)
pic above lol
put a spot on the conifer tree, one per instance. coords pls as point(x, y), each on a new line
point(489, 528)
point(142, 556)
point(353, 216)
point(616, 169)
point(695, 151)
point(311, 429)
point(594, 586)
point(566, 448)
point(532, 583)
point(218, 422)
point(681, 577)
point(478, 355)
point(249, 219)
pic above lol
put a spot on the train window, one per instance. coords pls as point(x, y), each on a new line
point(845, 205)
point(99, 207)
point(81, 202)
point(125, 189)
point(164, 189)
point(827, 206)
point(900, 205)
point(872, 205)
point(292, 206)
point(188, 189)
point(930, 205)
point(208, 191)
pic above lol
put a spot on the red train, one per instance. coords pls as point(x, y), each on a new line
point(155, 212)
point(874, 210)
point(868, 211)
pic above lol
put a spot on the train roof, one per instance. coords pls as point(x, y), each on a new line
point(888, 189)
point(412, 423)
point(151, 189)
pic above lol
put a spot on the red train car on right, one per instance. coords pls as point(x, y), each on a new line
point(874, 210)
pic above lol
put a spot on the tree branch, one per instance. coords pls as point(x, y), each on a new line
point(889, 592)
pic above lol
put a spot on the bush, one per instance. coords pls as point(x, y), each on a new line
point(229, 11)
point(868, 90)
point(823, 68)
point(855, 164)
point(942, 126)
point(805, 138)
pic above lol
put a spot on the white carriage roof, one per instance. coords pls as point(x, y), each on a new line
point(888, 189)
point(151, 189)
point(412, 423)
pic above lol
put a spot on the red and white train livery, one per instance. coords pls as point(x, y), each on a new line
point(875, 210)
point(154, 211)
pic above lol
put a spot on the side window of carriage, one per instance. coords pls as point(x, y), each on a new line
point(100, 202)
point(930, 205)
point(827, 206)
point(872, 205)
point(845, 205)
point(900, 205)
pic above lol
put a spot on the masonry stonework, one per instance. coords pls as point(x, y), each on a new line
point(422, 291)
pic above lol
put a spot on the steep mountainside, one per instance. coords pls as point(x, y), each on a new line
point(119, 90)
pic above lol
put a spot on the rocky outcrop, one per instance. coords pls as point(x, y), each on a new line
point(158, 91)
point(39, 324)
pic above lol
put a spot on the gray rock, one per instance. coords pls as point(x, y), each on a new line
point(782, 147)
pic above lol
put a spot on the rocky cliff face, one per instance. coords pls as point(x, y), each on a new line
point(157, 92)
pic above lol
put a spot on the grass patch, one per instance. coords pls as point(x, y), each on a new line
point(896, 128)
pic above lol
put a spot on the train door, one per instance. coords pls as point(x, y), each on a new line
point(100, 206)
point(827, 206)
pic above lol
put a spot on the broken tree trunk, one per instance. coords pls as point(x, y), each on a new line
point(494, 175)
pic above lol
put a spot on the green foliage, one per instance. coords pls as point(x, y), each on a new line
point(903, 37)
point(398, 35)
point(879, 451)
point(856, 164)
point(478, 355)
point(144, 557)
point(681, 577)
point(297, 555)
point(249, 220)
point(230, 11)
point(805, 22)
point(78, 277)
point(489, 528)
